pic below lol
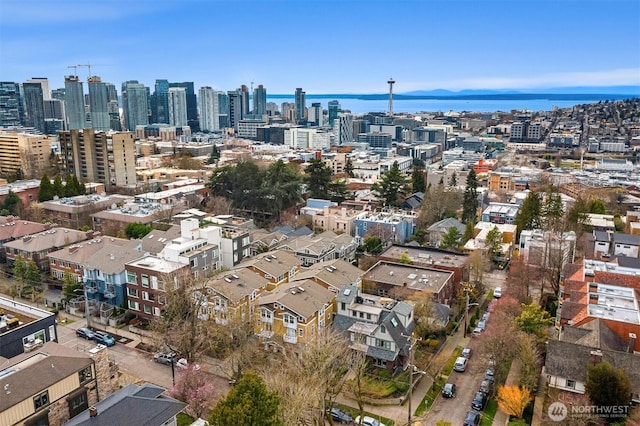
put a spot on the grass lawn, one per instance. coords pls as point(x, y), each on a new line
point(184, 419)
point(489, 412)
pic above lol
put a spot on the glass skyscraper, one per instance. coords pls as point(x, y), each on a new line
point(301, 106)
point(135, 104)
point(260, 100)
point(160, 103)
point(207, 103)
point(178, 106)
point(98, 100)
point(10, 104)
point(192, 104)
point(74, 102)
point(34, 105)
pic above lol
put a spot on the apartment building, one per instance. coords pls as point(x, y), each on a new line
point(24, 153)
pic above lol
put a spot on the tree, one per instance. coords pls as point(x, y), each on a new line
point(194, 388)
point(534, 320)
point(453, 180)
point(338, 191)
point(417, 180)
point(390, 186)
point(26, 272)
point(493, 243)
point(58, 187)
point(318, 178)
point(13, 204)
point(439, 203)
point(530, 360)
point(248, 403)
point(348, 167)
point(215, 155)
point(553, 210)
point(373, 244)
point(69, 286)
point(607, 385)
point(80, 188)
point(470, 199)
point(528, 216)
point(451, 239)
point(45, 192)
point(597, 207)
point(137, 230)
point(69, 187)
point(405, 259)
point(512, 400)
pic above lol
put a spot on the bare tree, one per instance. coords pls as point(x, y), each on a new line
point(218, 205)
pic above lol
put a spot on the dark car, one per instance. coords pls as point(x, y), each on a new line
point(449, 390)
point(340, 416)
point(479, 401)
point(85, 333)
point(486, 387)
point(104, 338)
point(472, 418)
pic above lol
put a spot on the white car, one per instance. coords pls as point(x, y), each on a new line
point(497, 293)
point(368, 421)
point(182, 364)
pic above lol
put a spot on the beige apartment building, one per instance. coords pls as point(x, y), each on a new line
point(26, 152)
point(109, 158)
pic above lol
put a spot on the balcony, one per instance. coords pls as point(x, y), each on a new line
point(110, 292)
point(290, 339)
point(91, 289)
point(267, 334)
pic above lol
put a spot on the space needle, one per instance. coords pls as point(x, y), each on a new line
point(391, 81)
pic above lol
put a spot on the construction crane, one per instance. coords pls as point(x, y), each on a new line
point(88, 65)
point(75, 69)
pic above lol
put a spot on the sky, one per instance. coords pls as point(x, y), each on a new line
point(326, 46)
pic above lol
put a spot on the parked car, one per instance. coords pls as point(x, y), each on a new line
point(340, 416)
point(482, 324)
point(367, 421)
point(103, 338)
point(460, 364)
point(485, 316)
point(472, 418)
point(449, 390)
point(488, 375)
point(497, 293)
point(85, 333)
point(476, 332)
point(466, 353)
point(479, 401)
point(183, 364)
point(486, 387)
point(165, 358)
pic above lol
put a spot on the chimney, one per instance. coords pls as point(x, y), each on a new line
point(595, 357)
point(632, 342)
point(93, 412)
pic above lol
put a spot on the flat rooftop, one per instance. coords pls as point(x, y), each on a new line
point(614, 303)
point(409, 276)
point(425, 256)
point(16, 309)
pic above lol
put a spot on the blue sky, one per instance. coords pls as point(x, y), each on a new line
point(326, 46)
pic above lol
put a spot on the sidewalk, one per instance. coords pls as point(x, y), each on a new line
point(400, 413)
point(513, 378)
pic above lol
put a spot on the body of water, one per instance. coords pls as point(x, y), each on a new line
point(358, 106)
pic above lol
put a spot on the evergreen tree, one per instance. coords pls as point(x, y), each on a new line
point(69, 187)
point(318, 179)
point(451, 239)
point(58, 187)
point(80, 188)
point(468, 232)
point(392, 183)
point(137, 230)
point(248, 403)
point(493, 243)
point(12, 203)
point(453, 181)
point(348, 167)
point(338, 191)
point(528, 216)
point(417, 180)
point(45, 192)
point(215, 155)
point(553, 210)
point(470, 199)
point(607, 386)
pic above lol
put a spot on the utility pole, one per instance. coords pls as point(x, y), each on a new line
point(412, 370)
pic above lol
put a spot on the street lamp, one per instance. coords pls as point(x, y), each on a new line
point(86, 304)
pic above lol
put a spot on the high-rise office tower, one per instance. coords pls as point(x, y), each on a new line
point(333, 108)
point(223, 110)
point(112, 92)
point(58, 94)
point(288, 111)
point(260, 100)
point(98, 100)
point(235, 108)
point(34, 105)
point(301, 106)
point(99, 157)
point(244, 95)
point(315, 114)
point(10, 104)
point(44, 82)
point(345, 128)
point(74, 102)
point(192, 104)
point(178, 106)
point(134, 104)
point(207, 101)
point(160, 103)
point(113, 109)
point(272, 109)
point(54, 116)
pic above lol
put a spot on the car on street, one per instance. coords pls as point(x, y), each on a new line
point(460, 364)
point(472, 418)
point(103, 338)
point(165, 358)
point(482, 325)
point(488, 375)
point(85, 333)
point(479, 401)
point(497, 293)
point(486, 387)
point(485, 316)
point(340, 416)
point(466, 353)
point(476, 332)
point(367, 421)
point(449, 390)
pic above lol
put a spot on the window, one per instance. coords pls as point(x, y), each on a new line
point(132, 292)
point(300, 332)
point(132, 277)
point(571, 384)
point(145, 280)
point(289, 319)
point(77, 402)
point(41, 400)
point(147, 309)
point(383, 329)
point(145, 295)
point(343, 306)
point(134, 305)
point(85, 375)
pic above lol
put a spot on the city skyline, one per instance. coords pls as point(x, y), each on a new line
point(326, 47)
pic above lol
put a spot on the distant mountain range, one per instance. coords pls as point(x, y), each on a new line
point(559, 93)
